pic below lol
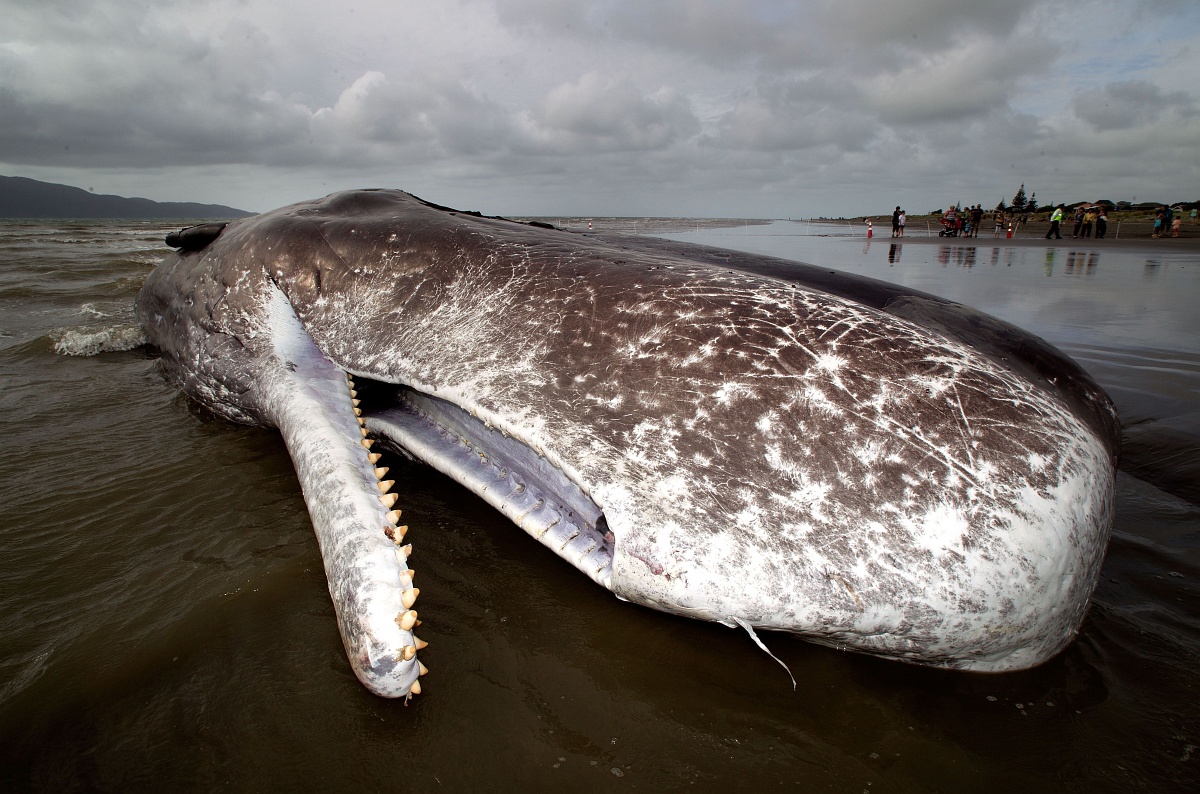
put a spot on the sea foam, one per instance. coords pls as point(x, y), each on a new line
point(93, 340)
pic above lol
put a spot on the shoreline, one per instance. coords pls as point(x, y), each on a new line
point(1144, 244)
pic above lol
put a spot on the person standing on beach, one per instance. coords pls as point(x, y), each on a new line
point(1101, 223)
point(998, 219)
point(1078, 221)
point(901, 219)
point(1175, 225)
point(1055, 220)
point(976, 219)
point(896, 221)
point(1088, 219)
point(1158, 223)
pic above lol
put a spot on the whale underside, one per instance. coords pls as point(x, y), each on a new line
point(724, 436)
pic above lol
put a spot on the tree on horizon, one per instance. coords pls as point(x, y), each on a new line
point(1019, 202)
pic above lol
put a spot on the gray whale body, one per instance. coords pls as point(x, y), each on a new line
point(718, 435)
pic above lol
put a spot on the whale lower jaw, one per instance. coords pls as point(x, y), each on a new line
point(312, 402)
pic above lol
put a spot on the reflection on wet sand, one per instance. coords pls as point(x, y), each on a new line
point(1082, 263)
point(960, 255)
point(894, 253)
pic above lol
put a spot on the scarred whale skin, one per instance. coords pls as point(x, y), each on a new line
point(770, 444)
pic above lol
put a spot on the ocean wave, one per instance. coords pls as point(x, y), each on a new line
point(93, 340)
point(90, 308)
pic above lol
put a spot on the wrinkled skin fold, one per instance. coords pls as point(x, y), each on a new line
point(722, 436)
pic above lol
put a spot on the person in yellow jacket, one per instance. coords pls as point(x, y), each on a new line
point(1055, 220)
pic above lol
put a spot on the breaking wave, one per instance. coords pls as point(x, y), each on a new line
point(93, 340)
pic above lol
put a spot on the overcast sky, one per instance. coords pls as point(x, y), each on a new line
point(736, 108)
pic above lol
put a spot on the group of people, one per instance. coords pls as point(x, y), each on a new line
point(1097, 215)
point(1085, 219)
point(1164, 218)
point(968, 222)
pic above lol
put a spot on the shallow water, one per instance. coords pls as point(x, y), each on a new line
point(165, 622)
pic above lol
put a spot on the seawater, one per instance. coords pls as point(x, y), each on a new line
point(165, 623)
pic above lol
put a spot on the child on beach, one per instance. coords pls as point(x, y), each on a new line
point(1175, 224)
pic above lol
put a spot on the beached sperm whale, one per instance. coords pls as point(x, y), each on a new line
point(718, 435)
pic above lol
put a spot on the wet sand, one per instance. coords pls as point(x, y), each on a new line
point(1127, 244)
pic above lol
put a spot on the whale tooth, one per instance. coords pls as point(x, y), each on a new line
point(367, 442)
point(410, 573)
point(400, 531)
point(364, 431)
point(415, 689)
point(379, 472)
point(357, 410)
point(361, 422)
point(374, 457)
point(424, 670)
point(353, 394)
point(406, 550)
point(409, 597)
point(393, 516)
point(407, 620)
point(388, 499)
point(409, 652)
point(353, 401)
point(421, 644)
point(386, 485)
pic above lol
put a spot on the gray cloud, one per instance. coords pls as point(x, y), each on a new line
point(847, 34)
point(798, 115)
point(1124, 105)
point(606, 112)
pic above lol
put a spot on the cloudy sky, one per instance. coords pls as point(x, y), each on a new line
point(737, 108)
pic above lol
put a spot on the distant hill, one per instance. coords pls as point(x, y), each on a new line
point(29, 198)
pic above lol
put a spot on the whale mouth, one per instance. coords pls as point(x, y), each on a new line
point(516, 480)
